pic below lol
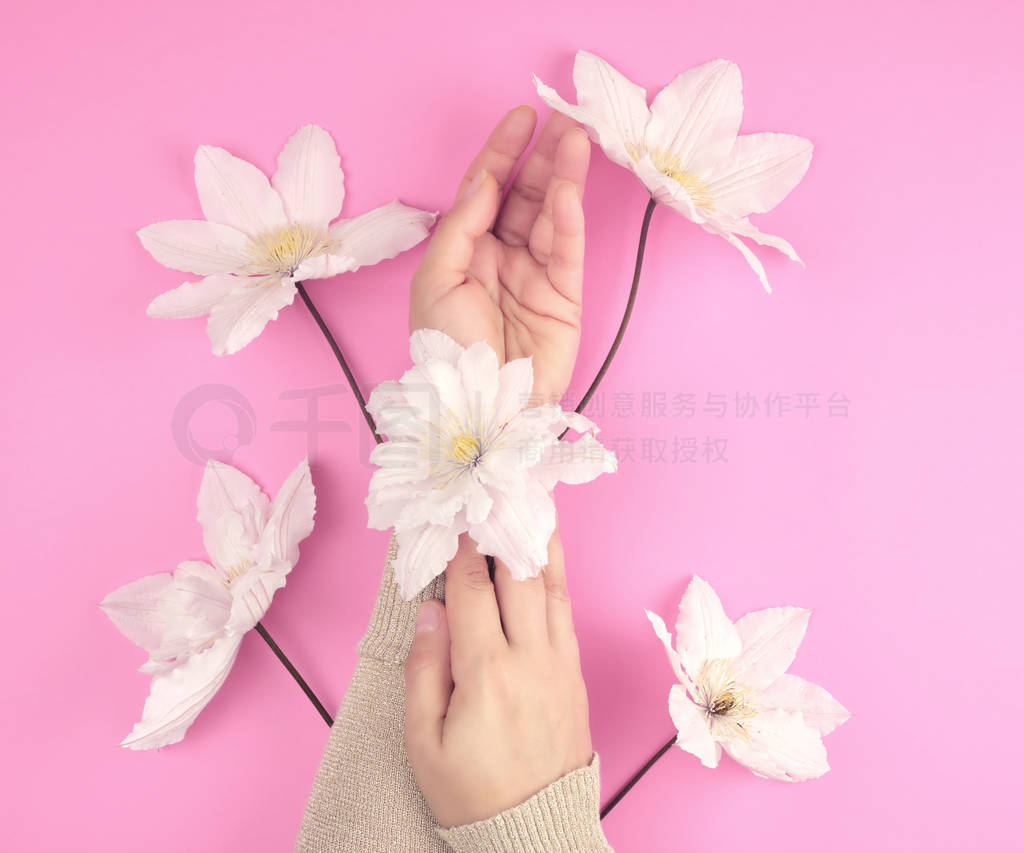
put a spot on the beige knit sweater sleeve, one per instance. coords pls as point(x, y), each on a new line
point(365, 798)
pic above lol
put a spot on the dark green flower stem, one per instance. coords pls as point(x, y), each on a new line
point(333, 344)
point(625, 789)
point(281, 656)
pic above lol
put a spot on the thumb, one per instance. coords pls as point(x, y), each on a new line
point(450, 251)
point(428, 679)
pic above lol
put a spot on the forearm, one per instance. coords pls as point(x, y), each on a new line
point(365, 797)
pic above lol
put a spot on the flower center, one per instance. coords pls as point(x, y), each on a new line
point(724, 700)
point(672, 167)
point(282, 249)
point(465, 449)
point(236, 572)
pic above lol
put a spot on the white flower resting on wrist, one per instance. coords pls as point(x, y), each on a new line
point(735, 693)
point(260, 237)
point(465, 454)
point(192, 621)
point(685, 148)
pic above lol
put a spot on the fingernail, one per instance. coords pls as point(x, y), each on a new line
point(427, 618)
point(474, 185)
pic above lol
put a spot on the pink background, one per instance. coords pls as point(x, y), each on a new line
point(898, 523)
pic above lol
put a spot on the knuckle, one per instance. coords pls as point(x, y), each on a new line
point(417, 662)
point(491, 671)
point(473, 573)
point(556, 589)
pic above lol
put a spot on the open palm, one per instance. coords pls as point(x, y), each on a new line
point(510, 271)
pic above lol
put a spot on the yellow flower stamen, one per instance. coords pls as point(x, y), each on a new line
point(726, 701)
point(465, 449)
point(236, 572)
point(671, 166)
point(282, 249)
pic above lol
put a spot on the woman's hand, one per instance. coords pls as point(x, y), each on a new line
point(511, 271)
point(495, 703)
point(496, 708)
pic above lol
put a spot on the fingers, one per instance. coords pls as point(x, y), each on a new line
point(428, 679)
point(559, 611)
point(565, 261)
point(473, 619)
point(571, 162)
point(503, 148)
point(551, 158)
point(522, 607)
point(450, 250)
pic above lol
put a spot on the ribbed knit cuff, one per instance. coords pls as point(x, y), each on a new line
point(561, 818)
point(392, 626)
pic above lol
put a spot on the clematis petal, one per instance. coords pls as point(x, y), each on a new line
point(770, 639)
point(509, 463)
point(382, 512)
point(479, 504)
point(400, 462)
point(751, 258)
point(517, 529)
point(574, 462)
point(515, 383)
point(759, 172)
point(792, 693)
point(309, 179)
point(193, 298)
point(748, 229)
point(612, 108)
point(666, 190)
point(579, 423)
point(703, 631)
point(691, 723)
point(780, 746)
point(135, 609)
point(291, 515)
point(426, 344)
point(615, 100)
point(195, 245)
point(193, 610)
point(226, 491)
point(522, 445)
point(444, 387)
point(381, 233)
point(478, 367)
point(240, 317)
point(171, 615)
point(423, 553)
point(253, 591)
point(324, 265)
point(196, 608)
point(439, 505)
point(234, 192)
point(177, 696)
point(695, 118)
point(666, 639)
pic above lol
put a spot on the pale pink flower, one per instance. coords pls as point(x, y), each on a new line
point(192, 621)
point(685, 149)
point(262, 236)
point(734, 692)
point(465, 453)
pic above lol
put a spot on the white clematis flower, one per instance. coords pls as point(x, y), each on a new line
point(260, 237)
point(734, 692)
point(685, 149)
point(192, 621)
point(465, 454)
